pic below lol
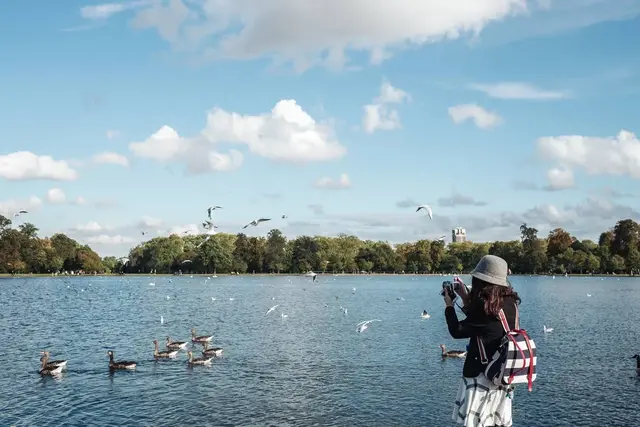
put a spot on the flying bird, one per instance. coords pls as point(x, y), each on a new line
point(211, 209)
point(284, 217)
point(255, 222)
point(362, 326)
point(208, 225)
point(426, 208)
point(271, 309)
point(143, 232)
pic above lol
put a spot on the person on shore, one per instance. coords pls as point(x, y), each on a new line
point(479, 402)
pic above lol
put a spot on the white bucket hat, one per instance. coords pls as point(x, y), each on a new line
point(492, 269)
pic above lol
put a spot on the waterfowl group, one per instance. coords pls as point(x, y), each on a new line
point(452, 353)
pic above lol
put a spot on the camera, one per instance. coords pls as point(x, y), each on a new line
point(449, 287)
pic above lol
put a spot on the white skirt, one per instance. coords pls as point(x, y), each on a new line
point(480, 403)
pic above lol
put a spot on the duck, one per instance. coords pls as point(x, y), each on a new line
point(54, 363)
point(452, 353)
point(175, 345)
point(637, 357)
point(425, 315)
point(198, 361)
point(169, 353)
point(201, 339)
point(45, 369)
point(121, 364)
point(213, 351)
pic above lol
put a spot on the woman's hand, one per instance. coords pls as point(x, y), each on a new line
point(448, 302)
point(461, 290)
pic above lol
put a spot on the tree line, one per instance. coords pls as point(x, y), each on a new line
point(617, 251)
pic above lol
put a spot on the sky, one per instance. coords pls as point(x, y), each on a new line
point(132, 116)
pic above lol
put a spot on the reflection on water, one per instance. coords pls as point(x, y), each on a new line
point(312, 368)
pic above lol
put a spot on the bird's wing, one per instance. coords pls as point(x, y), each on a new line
point(246, 225)
point(264, 219)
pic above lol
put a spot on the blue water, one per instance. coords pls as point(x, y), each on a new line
point(311, 368)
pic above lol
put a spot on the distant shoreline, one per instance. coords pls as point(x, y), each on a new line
point(26, 276)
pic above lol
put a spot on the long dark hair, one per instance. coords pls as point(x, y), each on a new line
point(492, 295)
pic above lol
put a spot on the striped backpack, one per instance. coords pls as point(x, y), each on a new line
point(514, 362)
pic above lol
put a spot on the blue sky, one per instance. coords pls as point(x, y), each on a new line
point(519, 120)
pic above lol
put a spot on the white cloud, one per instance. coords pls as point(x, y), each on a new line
point(482, 118)
point(560, 179)
point(91, 226)
point(112, 134)
point(56, 196)
point(287, 133)
point(619, 155)
point(181, 230)
point(106, 10)
point(149, 222)
point(518, 90)
point(105, 239)
point(9, 207)
point(378, 115)
point(310, 32)
point(334, 184)
point(24, 165)
point(111, 158)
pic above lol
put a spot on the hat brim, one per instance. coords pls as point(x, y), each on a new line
point(490, 279)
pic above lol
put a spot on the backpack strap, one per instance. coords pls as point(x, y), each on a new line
point(483, 353)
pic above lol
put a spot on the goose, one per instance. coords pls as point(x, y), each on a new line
point(637, 357)
point(198, 361)
point(201, 339)
point(45, 369)
point(452, 353)
point(121, 364)
point(175, 345)
point(169, 353)
point(54, 363)
point(213, 351)
point(425, 315)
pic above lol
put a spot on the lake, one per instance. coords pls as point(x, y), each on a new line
point(311, 368)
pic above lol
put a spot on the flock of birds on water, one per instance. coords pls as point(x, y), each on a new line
point(55, 367)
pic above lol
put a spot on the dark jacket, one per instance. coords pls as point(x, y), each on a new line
point(478, 323)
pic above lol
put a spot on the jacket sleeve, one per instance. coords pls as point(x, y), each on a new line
point(466, 328)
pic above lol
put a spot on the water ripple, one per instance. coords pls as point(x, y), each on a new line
point(311, 368)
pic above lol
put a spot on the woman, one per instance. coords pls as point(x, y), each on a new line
point(480, 403)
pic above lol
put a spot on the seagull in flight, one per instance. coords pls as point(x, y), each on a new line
point(426, 208)
point(284, 217)
point(362, 326)
point(255, 222)
point(211, 209)
point(208, 225)
point(271, 309)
